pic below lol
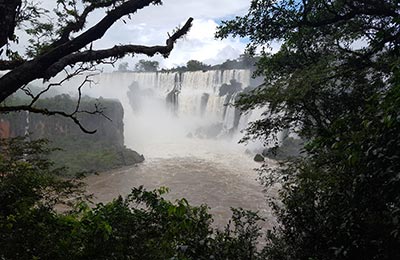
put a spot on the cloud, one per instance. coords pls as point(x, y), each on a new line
point(200, 45)
point(151, 25)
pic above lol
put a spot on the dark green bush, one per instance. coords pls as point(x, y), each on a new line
point(141, 226)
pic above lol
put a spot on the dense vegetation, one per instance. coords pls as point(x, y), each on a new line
point(141, 226)
point(82, 155)
point(146, 65)
point(334, 81)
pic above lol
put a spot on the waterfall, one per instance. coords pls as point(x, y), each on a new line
point(173, 105)
point(197, 94)
point(173, 96)
point(27, 124)
point(232, 114)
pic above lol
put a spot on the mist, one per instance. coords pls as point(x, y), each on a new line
point(188, 131)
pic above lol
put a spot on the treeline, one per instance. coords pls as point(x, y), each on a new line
point(245, 61)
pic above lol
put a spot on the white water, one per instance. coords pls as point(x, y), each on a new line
point(214, 171)
point(154, 120)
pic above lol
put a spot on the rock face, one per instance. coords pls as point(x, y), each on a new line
point(53, 127)
point(230, 89)
point(290, 148)
point(100, 151)
point(135, 95)
point(258, 158)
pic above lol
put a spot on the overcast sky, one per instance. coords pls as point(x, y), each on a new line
point(150, 26)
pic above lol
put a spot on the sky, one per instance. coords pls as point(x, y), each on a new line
point(150, 26)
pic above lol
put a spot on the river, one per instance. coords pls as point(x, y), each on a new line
point(217, 173)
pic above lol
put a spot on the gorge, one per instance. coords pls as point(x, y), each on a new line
point(188, 132)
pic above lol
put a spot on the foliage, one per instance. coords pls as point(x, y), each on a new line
point(123, 67)
point(141, 226)
point(289, 148)
point(334, 81)
point(191, 65)
point(245, 61)
point(28, 178)
point(194, 65)
point(147, 66)
point(89, 156)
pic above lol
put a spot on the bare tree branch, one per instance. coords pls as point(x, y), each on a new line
point(116, 51)
point(64, 52)
point(40, 67)
point(73, 115)
point(47, 112)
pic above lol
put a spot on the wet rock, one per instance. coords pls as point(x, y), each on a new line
point(203, 104)
point(268, 152)
point(229, 89)
point(210, 131)
point(290, 148)
point(259, 158)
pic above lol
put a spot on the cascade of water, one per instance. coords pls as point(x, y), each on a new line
point(173, 95)
point(27, 123)
point(198, 102)
point(195, 97)
point(231, 114)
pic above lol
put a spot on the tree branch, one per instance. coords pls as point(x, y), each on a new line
point(8, 13)
point(73, 115)
point(117, 51)
point(94, 33)
point(10, 64)
point(80, 21)
point(47, 112)
point(36, 68)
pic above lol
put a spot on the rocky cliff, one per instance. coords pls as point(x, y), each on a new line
point(100, 151)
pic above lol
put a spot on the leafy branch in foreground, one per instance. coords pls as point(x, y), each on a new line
point(28, 180)
point(335, 82)
point(141, 226)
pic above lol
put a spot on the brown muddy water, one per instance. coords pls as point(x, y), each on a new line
point(210, 172)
